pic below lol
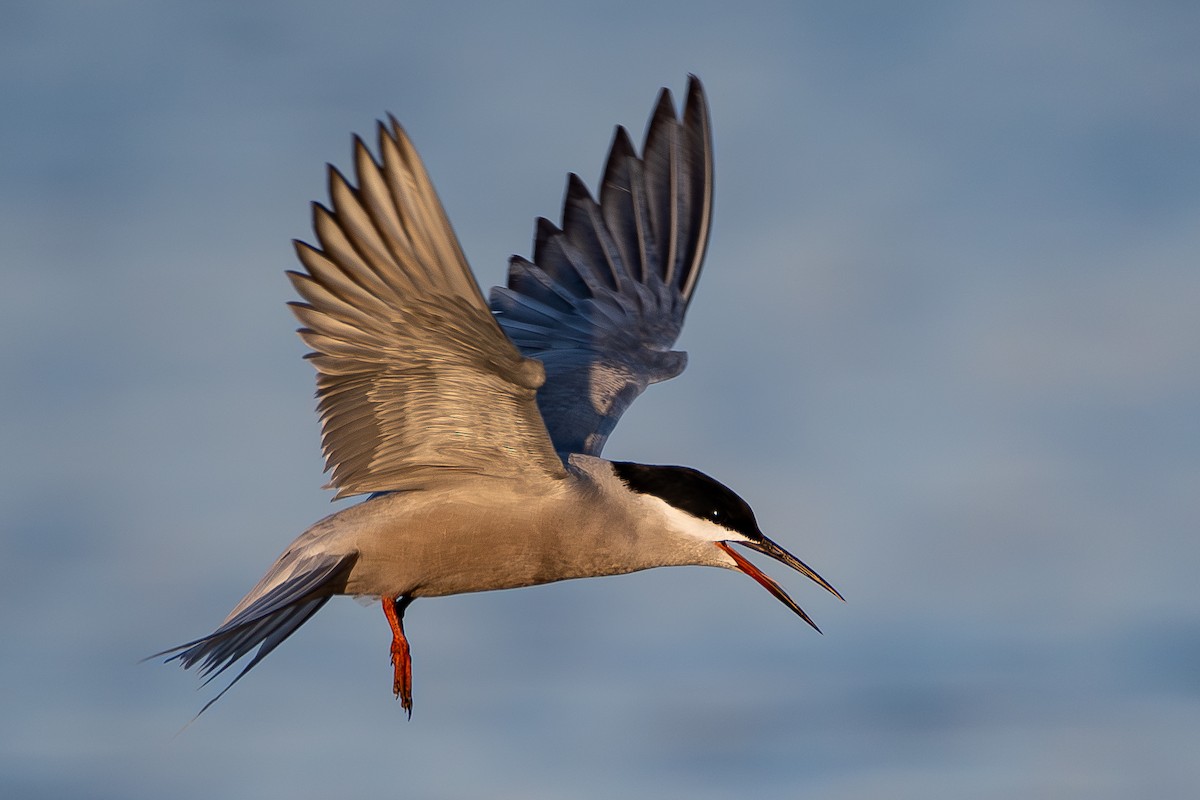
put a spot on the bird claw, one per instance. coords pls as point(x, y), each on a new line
point(402, 678)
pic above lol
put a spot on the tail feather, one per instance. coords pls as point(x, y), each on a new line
point(291, 592)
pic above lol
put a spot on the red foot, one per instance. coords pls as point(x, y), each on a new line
point(401, 655)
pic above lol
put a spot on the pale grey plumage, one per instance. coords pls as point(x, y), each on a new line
point(426, 403)
point(413, 375)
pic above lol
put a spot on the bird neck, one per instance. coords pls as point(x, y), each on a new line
point(622, 531)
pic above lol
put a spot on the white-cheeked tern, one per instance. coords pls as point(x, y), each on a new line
point(476, 427)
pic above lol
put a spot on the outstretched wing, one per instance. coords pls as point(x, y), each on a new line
point(414, 377)
point(603, 301)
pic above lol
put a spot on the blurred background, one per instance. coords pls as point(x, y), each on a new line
point(947, 345)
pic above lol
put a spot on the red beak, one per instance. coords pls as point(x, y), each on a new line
point(767, 547)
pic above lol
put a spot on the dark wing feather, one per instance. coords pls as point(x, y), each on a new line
point(604, 298)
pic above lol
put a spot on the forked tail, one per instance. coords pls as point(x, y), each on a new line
point(291, 592)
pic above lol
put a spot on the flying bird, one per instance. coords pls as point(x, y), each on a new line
point(476, 426)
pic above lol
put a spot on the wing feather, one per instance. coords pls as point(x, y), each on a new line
point(604, 298)
point(414, 377)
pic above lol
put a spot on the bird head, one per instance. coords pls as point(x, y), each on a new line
point(701, 507)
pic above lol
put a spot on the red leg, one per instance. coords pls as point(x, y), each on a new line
point(401, 655)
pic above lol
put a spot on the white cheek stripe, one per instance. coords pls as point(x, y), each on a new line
point(682, 522)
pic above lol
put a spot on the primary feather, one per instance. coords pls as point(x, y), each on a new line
point(603, 300)
point(413, 375)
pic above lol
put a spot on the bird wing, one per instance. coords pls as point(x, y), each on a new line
point(414, 377)
point(604, 298)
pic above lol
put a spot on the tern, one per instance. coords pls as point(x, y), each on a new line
point(476, 427)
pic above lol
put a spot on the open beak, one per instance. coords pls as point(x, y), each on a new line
point(767, 547)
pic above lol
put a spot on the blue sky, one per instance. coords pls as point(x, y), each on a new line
point(946, 344)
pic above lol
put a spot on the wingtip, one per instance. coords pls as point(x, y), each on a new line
point(622, 145)
point(576, 191)
point(544, 229)
point(695, 109)
point(398, 131)
point(337, 183)
point(615, 182)
point(393, 136)
point(319, 211)
point(363, 157)
point(665, 102)
point(664, 113)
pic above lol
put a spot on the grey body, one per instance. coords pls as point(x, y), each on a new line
point(478, 429)
point(427, 542)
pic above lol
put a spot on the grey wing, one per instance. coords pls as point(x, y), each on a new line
point(604, 298)
point(414, 377)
